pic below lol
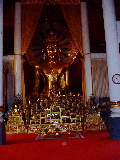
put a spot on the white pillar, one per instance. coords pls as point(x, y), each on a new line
point(17, 49)
point(1, 59)
point(113, 58)
point(86, 49)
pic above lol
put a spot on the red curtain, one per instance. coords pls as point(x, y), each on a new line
point(30, 17)
point(73, 18)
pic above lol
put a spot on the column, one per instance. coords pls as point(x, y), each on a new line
point(86, 49)
point(2, 124)
point(113, 61)
point(17, 49)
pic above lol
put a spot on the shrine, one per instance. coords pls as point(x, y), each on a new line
point(56, 108)
point(53, 84)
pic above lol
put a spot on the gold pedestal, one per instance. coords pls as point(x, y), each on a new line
point(15, 124)
point(94, 122)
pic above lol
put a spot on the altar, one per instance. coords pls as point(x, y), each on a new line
point(55, 109)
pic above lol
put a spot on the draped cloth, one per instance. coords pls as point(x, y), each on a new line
point(8, 81)
point(100, 78)
point(73, 19)
point(30, 17)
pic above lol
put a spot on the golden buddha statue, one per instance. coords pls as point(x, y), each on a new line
point(55, 54)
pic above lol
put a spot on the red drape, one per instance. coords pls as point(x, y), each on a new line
point(30, 18)
point(73, 18)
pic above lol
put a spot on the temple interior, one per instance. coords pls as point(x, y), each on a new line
point(48, 85)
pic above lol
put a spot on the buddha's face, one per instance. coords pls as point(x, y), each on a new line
point(51, 50)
